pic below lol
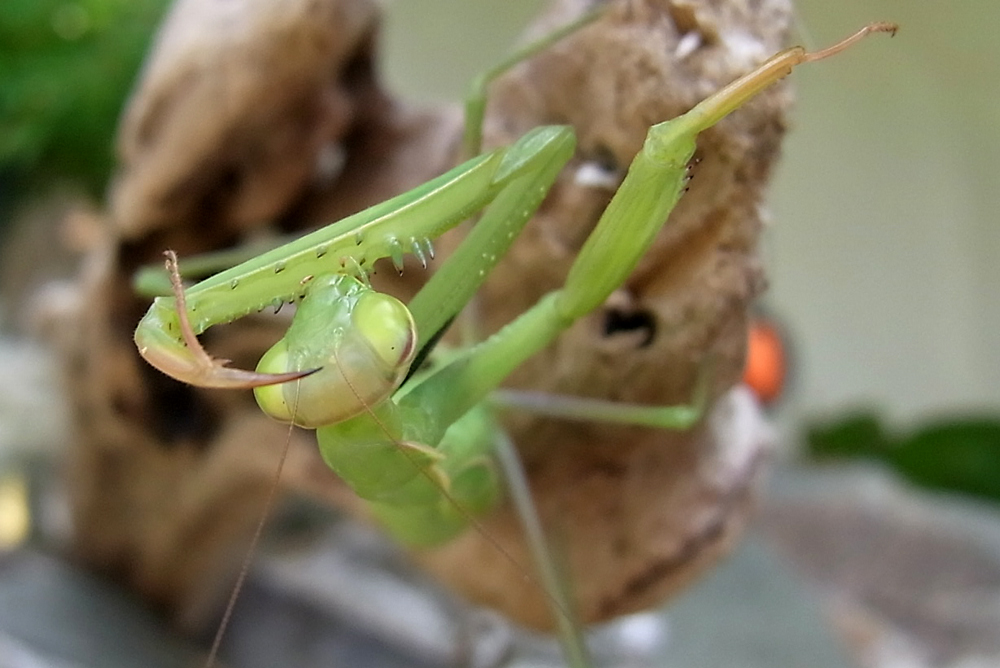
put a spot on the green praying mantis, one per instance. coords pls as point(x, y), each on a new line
point(416, 440)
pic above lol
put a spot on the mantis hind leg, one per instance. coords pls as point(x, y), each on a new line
point(677, 417)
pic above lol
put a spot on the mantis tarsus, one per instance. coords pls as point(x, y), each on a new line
point(418, 448)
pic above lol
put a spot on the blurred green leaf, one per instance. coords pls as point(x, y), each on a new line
point(66, 69)
point(959, 455)
point(854, 436)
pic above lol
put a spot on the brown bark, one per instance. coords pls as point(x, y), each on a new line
point(238, 119)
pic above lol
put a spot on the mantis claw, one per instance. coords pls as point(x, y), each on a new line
point(184, 358)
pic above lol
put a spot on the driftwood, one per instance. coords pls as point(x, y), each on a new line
point(262, 115)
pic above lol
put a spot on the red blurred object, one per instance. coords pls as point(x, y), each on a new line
point(766, 364)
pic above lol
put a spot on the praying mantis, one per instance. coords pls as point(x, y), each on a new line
point(418, 446)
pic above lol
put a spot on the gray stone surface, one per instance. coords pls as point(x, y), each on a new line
point(912, 578)
point(55, 616)
point(753, 612)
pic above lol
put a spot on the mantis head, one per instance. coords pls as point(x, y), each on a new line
point(362, 342)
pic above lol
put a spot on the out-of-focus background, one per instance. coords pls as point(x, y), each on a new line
point(882, 255)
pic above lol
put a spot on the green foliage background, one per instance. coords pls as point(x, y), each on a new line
point(955, 454)
point(65, 71)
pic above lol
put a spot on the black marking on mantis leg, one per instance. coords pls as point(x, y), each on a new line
point(422, 249)
point(396, 253)
point(424, 353)
point(353, 267)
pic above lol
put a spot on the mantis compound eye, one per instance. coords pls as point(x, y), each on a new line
point(271, 398)
point(387, 326)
